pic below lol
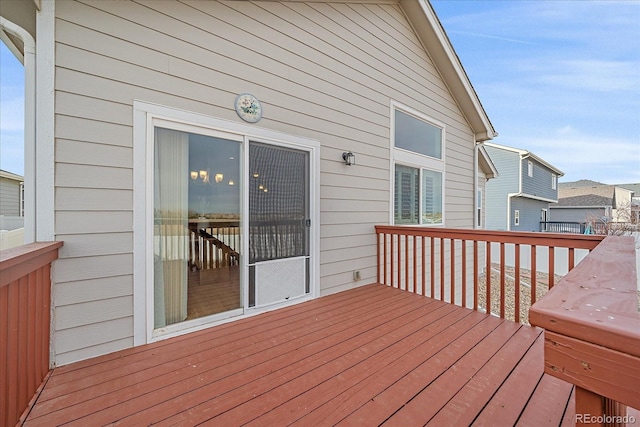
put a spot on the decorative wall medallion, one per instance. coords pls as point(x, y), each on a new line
point(248, 108)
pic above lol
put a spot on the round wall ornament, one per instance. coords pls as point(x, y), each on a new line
point(248, 108)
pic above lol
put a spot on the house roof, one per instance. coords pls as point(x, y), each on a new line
point(426, 25)
point(631, 187)
point(437, 44)
point(580, 183)
point(526, 154)
point(10, 175)
point(585, 200)
point(486, 164)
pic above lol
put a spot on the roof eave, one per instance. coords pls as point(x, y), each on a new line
point(486, 164)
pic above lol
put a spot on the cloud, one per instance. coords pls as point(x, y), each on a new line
point(593, 75)
point(490, 36)
point(582, 155)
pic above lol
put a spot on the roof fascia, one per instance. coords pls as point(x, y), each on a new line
point(544, 162)
point(487, 165)
point(434, 39)
point(10, 175)
point(524, 154)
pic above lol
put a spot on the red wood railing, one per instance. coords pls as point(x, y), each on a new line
point(455, 265)
point(25, 295)
point(592, 333)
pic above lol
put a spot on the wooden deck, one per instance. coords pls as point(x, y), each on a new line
point(369, 356)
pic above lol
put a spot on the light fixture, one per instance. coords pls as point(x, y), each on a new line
point(231, 182)
point(256, 174)
point(194, 175)
point(260, 187)
point(219, 177)
point(349, 158)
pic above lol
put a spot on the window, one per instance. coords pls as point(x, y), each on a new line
point(479, 209)
point(516, 217)
point(530, 168)
point(417, 136)
point(554, 181)
point(418, 169)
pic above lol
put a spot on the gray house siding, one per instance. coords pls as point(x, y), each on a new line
point(9, 197)
point(323, 71)
point(498, 189)
point(530, 213)
point(540, 184)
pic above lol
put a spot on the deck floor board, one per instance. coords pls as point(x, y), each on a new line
point(369, 356)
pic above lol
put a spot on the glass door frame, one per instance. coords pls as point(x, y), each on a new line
point(147, 116)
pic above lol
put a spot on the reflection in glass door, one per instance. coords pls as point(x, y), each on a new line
point(279, 224)
point(196, 233)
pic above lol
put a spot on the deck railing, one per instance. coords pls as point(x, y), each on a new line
point(25, 297)
point(592, 332)
point(591, 318)
point(479, 269)
point(213, 245)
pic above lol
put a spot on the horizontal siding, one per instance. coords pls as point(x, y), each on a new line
point(497, 189)
point(530, 213)
point(540, 183)
point(9, 197)
point(82, 291)
point(322, 71)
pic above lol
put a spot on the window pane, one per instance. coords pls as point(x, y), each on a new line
point(196, 237)
point(406, 195)
point(432, 197)
point(417, 135)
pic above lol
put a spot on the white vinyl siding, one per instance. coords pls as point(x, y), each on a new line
point(322, 71)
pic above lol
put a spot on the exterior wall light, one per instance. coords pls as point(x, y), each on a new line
point(349, 158)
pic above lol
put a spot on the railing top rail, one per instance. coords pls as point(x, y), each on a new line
point(18, 261)
point(561, 240)
point(597, 301)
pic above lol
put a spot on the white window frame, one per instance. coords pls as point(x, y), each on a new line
point(419, 161)
point(554, 181)
point(146, 116)
point(516, 217)
point(529, 168)
point(479, 208)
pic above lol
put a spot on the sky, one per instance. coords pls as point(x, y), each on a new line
point(11, 112)
point(558, 78)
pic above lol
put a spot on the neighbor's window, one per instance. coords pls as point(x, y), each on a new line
point(516, 217)
point(554, 182)
point(530, 168)
point(418, 171)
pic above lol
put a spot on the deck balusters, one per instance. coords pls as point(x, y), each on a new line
point(441, 257)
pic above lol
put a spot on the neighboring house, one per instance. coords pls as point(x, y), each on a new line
point(518, 200)
point(586, 201)
point(202, 147)
point(634, 214)
point(11, 194)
